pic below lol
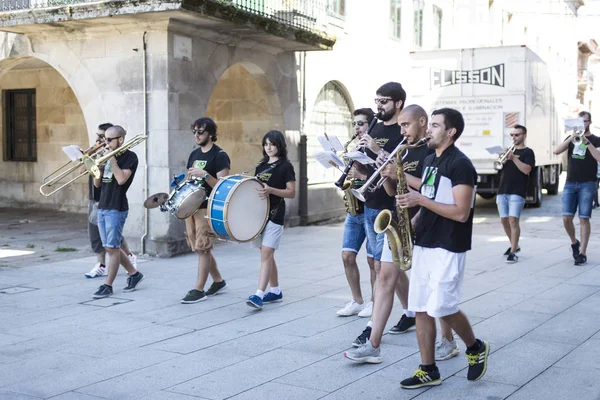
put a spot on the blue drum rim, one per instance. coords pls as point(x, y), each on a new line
point(226, 206)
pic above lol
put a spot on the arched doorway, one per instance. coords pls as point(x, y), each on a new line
point(41, 114)
point(244, 106)
point(332, 114)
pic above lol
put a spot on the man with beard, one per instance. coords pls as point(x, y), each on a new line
point(384, 136)
point(208, 163)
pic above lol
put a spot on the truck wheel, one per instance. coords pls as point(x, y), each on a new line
point(552, 188)
point(537, 193)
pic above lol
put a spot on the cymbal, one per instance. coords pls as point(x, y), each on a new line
point(156, 200)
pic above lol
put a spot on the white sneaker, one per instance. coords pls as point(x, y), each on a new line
point(133, 260)
point(98, 270)
point(351, 308)
point(366, 311)
point(445, 349)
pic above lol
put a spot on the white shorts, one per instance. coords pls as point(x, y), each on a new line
point(386, 254)
point(270, 237)
point(436, 281)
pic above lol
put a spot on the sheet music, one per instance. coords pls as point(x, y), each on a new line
point(73, 152)
point(330, 143)
point(360, 157)
point(574, 124)
point(329, 159)
point(495, 149)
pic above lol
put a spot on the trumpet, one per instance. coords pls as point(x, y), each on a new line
point(92, 163)
point(368, 186)
point(502, 158)
point(576, 138)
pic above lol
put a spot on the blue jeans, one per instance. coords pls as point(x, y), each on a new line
point(354, 234)
point(374, 240)
point(110, 226)
point(510, 205)
point(578, 194)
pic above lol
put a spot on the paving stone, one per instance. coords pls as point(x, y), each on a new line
point(363, 388)
point(492, 303)
point(459, 388)
point(4, 395)
point(559, 383)
point(567, 327)
point(583, 357)
point(509, 326)
point(285, 391)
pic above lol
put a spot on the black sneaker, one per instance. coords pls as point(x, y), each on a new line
point(133, 281)
point(575, 249)
point(403, 325)
point(103, 291)
point(512, 258)
point(478, 361)
point(216, 287)
point(507, 252)
point(422, 378)
point(580, 259)
point(362, 338)
point(194, 296)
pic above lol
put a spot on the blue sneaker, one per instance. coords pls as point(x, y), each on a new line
point(272, 297)
point(255, 301)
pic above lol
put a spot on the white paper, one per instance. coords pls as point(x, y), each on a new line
point(72, 152)
point(495, 150)
point(330, 143)
point(329, 159)
point(574, 124)
point(360, 157)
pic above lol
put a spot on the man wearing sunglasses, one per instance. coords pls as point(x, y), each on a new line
point(208, 163)
point(512, 190)
point(384, 136)
point(95, 241)
point(354, 233)
point(579, 189)
point(117, 175)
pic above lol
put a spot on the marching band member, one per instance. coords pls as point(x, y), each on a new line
point(384, 136)
point(578, 192)
point(113, 208)
point(512, 190)
point(442, 238)
point(277, 174)
point(209, 163)
point(95, 241)
point(355, 235)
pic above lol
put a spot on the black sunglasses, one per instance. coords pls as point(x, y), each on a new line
point(110, 139)
point(198, 131)
point(359, 123)
point(382, 100)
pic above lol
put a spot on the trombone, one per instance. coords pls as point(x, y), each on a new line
point(92, 160)
point(499, 163)
point(368, 185)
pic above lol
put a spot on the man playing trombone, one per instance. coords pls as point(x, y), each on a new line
point(580, 186)
point(516, 166)
point(117, 175)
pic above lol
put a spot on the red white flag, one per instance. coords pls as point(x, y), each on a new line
point(511, 119)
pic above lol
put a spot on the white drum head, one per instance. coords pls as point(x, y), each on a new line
point(246, 213)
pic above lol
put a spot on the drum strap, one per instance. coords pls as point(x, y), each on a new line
point(275, 209)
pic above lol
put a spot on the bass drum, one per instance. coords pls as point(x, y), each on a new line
point(235, 212)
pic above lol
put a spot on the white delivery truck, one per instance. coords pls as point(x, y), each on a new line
point(495, 88)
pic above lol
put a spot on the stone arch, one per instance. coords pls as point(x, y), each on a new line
point(245, 106)
point(59, 121)
point(331, 114)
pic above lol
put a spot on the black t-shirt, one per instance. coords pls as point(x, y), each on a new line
point(413, 165)
point(387, 137)
point(512, 180)
point(440, 175)
point(582, 166)
point(213, 161)
point(94, 191)
point(276, 175)
point(113, 196)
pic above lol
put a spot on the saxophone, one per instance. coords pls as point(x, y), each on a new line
point(399, 234)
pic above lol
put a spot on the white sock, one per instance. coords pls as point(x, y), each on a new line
point(260, 294)
point(370, 324)
point(409, 314)
point(276, 290)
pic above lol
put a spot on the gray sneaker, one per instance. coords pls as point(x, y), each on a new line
point(445, 349)
point(194, 296)
point(365, 354)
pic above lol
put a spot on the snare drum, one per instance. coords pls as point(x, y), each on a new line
point(185, 200)
point(235, 212)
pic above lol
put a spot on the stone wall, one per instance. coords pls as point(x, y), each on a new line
point(60, 122)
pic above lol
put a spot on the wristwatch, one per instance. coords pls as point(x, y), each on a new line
point(205, 177)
